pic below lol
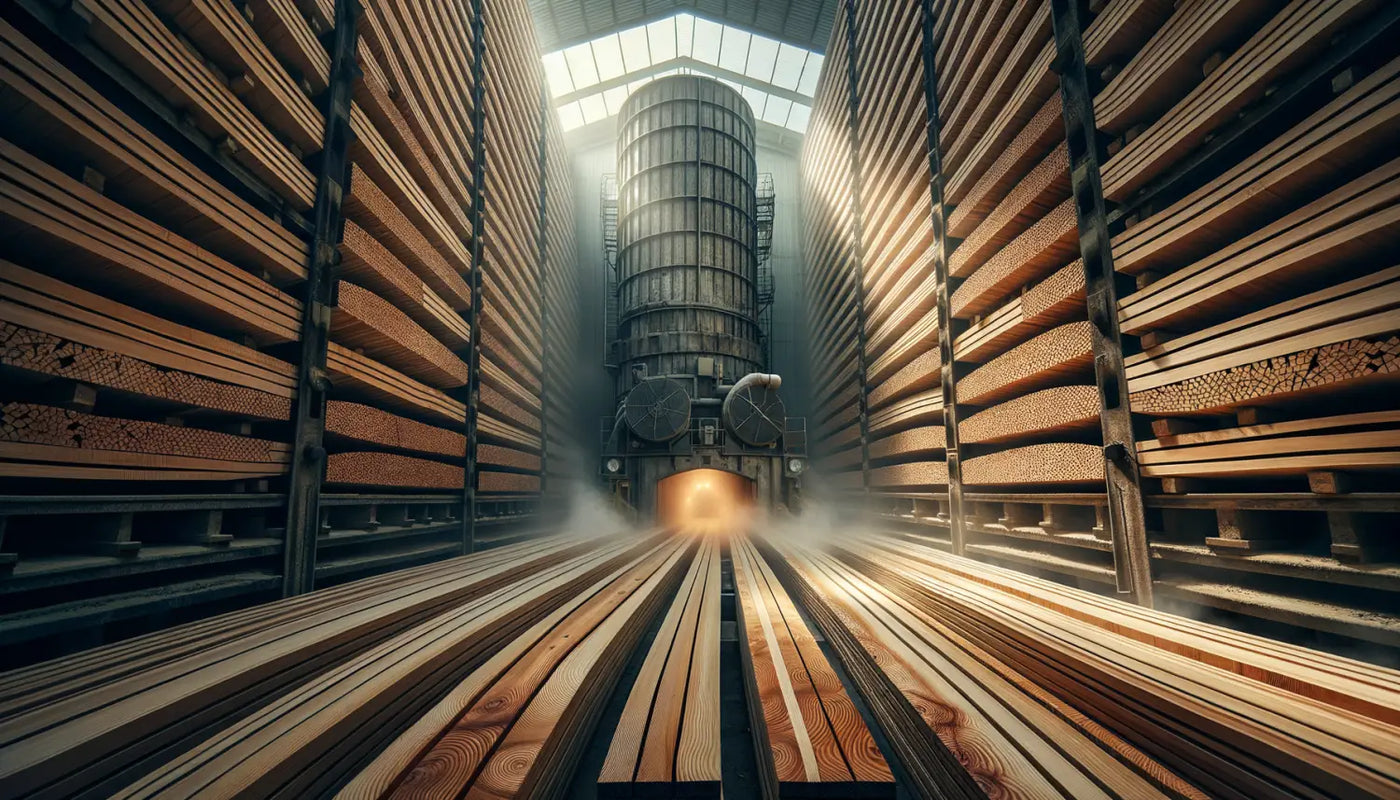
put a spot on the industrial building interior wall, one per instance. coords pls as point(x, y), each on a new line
point(188, 351)
point(565, 450)
point(788, 355)
point(1243, 152)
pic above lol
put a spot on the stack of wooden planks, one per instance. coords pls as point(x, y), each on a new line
point(512, 303)
point(1262, 332)
point(562, 332)
point(1266, 293)
point(962, 723)
point(667, 740)
point(832, 279)
point(139, 287)
point(809, 738)
point(1135, 702)
point(96, 722)
point(516, 725)
point(1234, 715)
point(894, 194)
point(1027, 409)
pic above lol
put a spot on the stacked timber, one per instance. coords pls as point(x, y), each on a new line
point(809, 738)
point(512, 305)
point(667, 741)
point(833, 287)
point(160, 170)
point(1136, 703)
point(131, 714)
point(400, 332)
point(1266, 301)
point(1026, 403)
point(903, 375)
point(517, 724)
point(150, 301)
point(561, 324)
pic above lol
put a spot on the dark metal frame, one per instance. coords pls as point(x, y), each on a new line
point(1127, 518)
point(469, 473)
point(947, 362)
point(308, 470)
point(857, 270)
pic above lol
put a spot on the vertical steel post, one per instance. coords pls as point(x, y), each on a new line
point(308, 469)
point(948, 365)
point(857, 271)
point(478, 233)
point(1127, 520)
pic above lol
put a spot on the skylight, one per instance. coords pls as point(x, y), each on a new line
point(589, 81)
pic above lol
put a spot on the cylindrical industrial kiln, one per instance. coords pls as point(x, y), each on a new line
point(690, 381)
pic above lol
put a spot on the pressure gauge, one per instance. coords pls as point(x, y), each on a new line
point(613, 465)
point(796, 465)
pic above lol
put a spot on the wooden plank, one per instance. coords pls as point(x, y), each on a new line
point(1221, 726)
point(92, 240)
point(369, 424)
point(97, 737)
point(61, 115)
point(530, 696)
point(809, 737)
point(367, 322)
point(666, 742)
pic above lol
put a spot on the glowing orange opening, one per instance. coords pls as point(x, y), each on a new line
point(707, 501)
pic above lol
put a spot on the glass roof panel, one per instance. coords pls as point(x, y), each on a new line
point(777, 110)
point(556, 70)
point(636, 49)
point(707, 41)
point(771, 75)
point(581, 66)
point(607, 54)
point(797, 120)
point(594, 109)
point(661, 40)
point(810, 72)
point(763, 54)
point(570, 116)
point(614, 97)
point(733, 49)
point(685, 35)
point(758, 100)
point(787, 70)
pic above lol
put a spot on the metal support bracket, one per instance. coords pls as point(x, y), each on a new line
point(319, 300)
point(948, 365)
point(1127, 520)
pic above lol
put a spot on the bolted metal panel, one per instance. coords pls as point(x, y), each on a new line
point(687, 230)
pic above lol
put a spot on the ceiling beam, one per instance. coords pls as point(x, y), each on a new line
point(604, 132)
